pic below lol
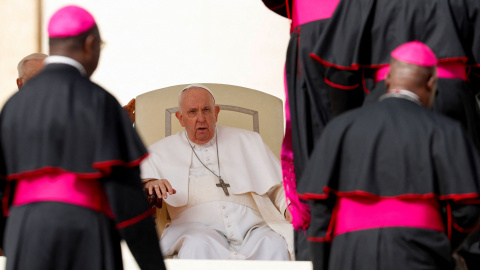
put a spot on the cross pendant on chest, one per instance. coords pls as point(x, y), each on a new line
point(223, 185)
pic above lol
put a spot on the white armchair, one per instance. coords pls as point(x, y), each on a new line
point(239, 107)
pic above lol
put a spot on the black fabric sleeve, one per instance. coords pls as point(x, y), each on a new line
point(318, 237)
point(135, 225)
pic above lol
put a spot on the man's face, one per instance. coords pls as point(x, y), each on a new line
point(30, 69)
point(198, 114)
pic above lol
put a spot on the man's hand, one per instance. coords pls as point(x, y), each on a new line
point(288, 216)
point(130, 108)
point(161, 186)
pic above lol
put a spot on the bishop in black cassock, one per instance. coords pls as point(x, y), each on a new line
point(72, 155)
point(393, 185)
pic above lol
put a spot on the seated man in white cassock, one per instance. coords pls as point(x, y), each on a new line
point(222, 187)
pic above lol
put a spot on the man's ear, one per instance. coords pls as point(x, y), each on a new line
point(217, 110)
point(88, 45)
point(179, 116)
point(387, 80)
point(19, 83)
point(432, 83)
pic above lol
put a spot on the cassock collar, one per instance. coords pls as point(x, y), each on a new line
point(58, 59)
point(401, 93)
point(205, 145)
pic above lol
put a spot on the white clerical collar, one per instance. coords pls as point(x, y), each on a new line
point(58, 59)
point(205, 145)
point(401, 93)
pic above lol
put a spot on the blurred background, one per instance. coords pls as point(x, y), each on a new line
point(152, 44)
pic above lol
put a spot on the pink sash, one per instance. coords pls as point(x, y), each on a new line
point(446, 70)
point(63, 187)
point(305, 11)
point(362, 213)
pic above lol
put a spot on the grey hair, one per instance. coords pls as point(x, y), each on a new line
point(33, 56)
point(190, 87)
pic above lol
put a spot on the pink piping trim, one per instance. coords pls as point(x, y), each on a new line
point(5, 198)
point(339, 86)
point(355, 66)
point(464, 230)
point(318, 239)
point(277, 7)
point(288, 9)
point(365, 89)
point(449, 221)
point(136, 219)
point(105, 166)
point(327, 191)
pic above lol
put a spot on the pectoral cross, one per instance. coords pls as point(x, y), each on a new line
point(223, 185)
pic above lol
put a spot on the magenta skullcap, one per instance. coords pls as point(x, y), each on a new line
point(70, 21)
point(415, 52)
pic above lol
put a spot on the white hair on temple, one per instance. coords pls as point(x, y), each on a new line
point(33, 56)
point(194, 86)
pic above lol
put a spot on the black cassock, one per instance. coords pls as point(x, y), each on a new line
point(316, 93)
point(391, 150)
point(61, 122)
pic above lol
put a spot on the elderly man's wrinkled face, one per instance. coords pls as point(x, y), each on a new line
point(198, 114)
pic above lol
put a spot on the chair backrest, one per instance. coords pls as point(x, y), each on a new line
point(239, 107)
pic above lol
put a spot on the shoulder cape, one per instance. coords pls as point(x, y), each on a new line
point(247, 164)
point(362, 33)
point(61, 121)
point(393, 148)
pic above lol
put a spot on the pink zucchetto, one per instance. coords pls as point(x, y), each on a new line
point(70, 21)
point(415, 52)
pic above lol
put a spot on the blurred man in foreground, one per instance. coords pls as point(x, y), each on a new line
point(69, 148)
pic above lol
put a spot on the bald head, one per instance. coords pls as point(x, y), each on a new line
point(414, 68)
point(181, 94)
point(198, 114)
point(420, 80)
point(28, 67)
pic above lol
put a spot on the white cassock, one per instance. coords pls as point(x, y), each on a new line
point(206, 223)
